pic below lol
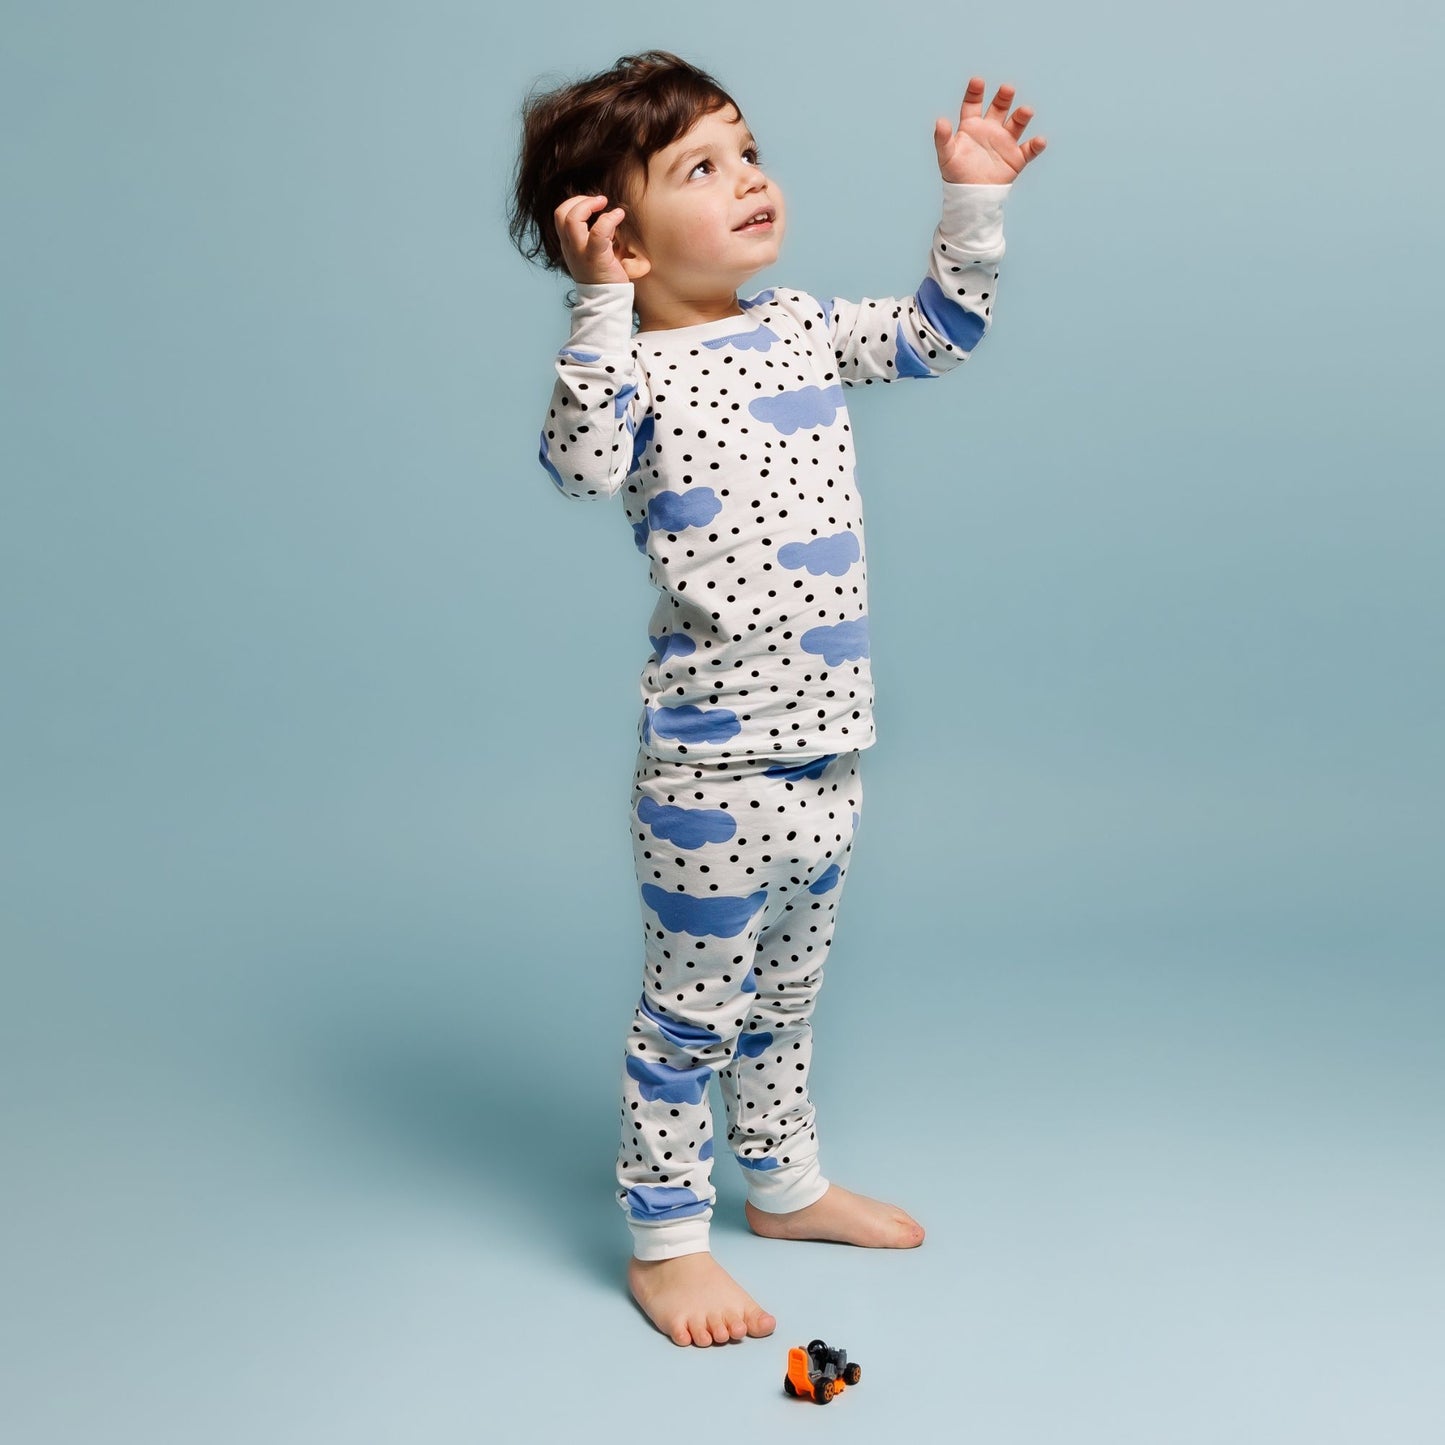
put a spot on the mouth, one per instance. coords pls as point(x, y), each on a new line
point(760, 220)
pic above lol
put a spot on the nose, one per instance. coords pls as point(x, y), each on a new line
point(752, 179)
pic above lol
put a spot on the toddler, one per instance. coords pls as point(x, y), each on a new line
point(721, 421)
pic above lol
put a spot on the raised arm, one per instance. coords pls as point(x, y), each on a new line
point(590, 441)
point(926, 334)
point(932, 331)
point(595, 431)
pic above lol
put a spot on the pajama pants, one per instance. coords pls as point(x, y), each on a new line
point(740, 865)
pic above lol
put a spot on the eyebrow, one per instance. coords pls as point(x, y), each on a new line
point(748, 140)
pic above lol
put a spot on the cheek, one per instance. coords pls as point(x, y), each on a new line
point(704, 231)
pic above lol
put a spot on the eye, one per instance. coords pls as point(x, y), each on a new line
point(755, 153)
point(697, 168)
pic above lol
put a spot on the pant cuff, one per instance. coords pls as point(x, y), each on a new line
point(667, 1241)
point(780, 1191)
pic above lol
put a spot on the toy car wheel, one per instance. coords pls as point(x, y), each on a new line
point(852, 1374)
point(823, 1391)
point(790, 1387)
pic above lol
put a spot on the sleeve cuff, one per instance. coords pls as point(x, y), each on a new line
point(602, 317)
point(973, 217)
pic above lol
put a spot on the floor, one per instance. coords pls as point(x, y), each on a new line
point(281, 1166)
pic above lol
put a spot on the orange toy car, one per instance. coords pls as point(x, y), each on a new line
point(819, 1373)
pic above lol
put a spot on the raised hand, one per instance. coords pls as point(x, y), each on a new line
point(985, 148)
point(588, 250)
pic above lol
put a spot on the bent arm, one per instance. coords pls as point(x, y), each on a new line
point(936, 328)
point(588, 442)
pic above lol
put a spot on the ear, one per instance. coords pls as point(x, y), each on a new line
point(629, 251)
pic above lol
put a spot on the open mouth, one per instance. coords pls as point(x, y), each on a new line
point(758, 220)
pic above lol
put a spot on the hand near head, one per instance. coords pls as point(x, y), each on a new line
point(588, 250)
point(985, 148)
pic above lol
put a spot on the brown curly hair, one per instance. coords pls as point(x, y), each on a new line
point(595, 137)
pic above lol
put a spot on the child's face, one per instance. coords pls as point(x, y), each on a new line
point(691, 225)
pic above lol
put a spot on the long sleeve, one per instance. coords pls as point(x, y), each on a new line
point(590, 441)
point(932, 331)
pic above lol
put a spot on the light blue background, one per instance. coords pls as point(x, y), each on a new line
point(319, 932)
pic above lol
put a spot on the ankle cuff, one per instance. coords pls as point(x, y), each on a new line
point(667, 1241)
point(780, 1191)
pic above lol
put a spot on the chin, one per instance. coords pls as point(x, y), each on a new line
point(767, 255)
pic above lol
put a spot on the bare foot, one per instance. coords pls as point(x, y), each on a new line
point(843, 1217)
point(693, 1300)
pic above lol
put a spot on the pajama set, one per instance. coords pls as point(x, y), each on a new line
point(730, 444)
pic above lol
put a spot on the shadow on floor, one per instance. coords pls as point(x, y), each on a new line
point(529, 1130)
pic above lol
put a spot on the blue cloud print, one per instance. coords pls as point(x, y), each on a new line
point(671, 644)
point(676, 511)
point(672, 1086)
point(811, 768)
point(657, 1202)
point(843, 642)
point(962, 326)
point(761, 299)
point(624, 395)
point(572, 353)
point(547, 461)
point(757, 1163)
point(833, 555)
point(705, 1153)
point(907, 361)
point(791, 410)
point(689, 724)
point(826, 881)
point(722, 917)
point(641, 438)
point(639, 535)
point(680, 1035)
point(759, 339)
point(751, 1045)
point(687, 827)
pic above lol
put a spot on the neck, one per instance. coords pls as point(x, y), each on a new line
point(668, 313)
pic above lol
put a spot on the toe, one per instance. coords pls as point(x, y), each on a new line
point(760, 1323)
point(680, 1336)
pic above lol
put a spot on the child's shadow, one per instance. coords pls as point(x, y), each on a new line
point(462, 1102)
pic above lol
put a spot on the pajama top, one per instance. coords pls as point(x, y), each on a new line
point(730, 443)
